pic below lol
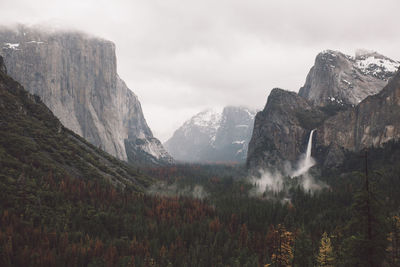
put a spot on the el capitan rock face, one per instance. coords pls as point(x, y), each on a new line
point(76, 77)
point(336, 77)
point(212, 136)
point(33, 142)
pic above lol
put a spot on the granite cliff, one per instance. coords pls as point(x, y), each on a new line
point(336, 77)
point(76, 77)
point(34, 144)
point(372, 123)
point(280, 130)
point(342, 99)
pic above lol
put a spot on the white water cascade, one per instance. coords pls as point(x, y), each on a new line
point(307, 161)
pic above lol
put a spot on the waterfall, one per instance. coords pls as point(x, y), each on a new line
point(309, 146)
point(307, 161)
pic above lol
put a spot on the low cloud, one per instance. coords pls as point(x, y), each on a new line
point(276, 184)
point(281, 181)
point(172, 190)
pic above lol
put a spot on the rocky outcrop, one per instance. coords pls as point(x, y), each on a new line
point(372, 123)
point(212, 136)
point(342, 99)
point(336, 77)
point(76, 77)
point(281, 130)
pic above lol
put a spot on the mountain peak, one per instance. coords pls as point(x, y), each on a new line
point(371, 63)
point(213, 136)
point(239, 109)
point(347, 79)
point(330, 52)
point(207, 118)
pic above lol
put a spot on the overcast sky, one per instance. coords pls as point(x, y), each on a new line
point(183, 56)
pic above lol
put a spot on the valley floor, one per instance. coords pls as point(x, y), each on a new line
point(199, 215)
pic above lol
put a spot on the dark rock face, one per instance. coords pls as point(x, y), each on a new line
point(350, 117)
point(279, 133)
point(336, 77)
point(3, 68)
point(373, 122)
point(211, 136)
point(76, 77)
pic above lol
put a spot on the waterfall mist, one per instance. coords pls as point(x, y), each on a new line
point(274, 182)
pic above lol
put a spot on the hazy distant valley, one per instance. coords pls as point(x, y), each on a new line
point(312, 179)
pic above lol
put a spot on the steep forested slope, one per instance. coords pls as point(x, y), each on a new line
point(34, 143)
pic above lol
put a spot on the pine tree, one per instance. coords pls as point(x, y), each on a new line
point(367, 242)
point(243, 235)
point(325, 256)
point(303, 250)
point(393, 250)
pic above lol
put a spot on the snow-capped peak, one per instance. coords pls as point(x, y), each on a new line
point(214, 135)
point(374, 64)
point(209, 118)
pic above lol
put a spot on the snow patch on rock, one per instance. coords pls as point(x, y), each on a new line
point(378, 66)
point(208, 118)
point(212, 135)
point(11, 46)
point(154, 149)
point(35, 42)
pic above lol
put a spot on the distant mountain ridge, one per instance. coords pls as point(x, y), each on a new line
point(76, 77)
point(213, 136)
